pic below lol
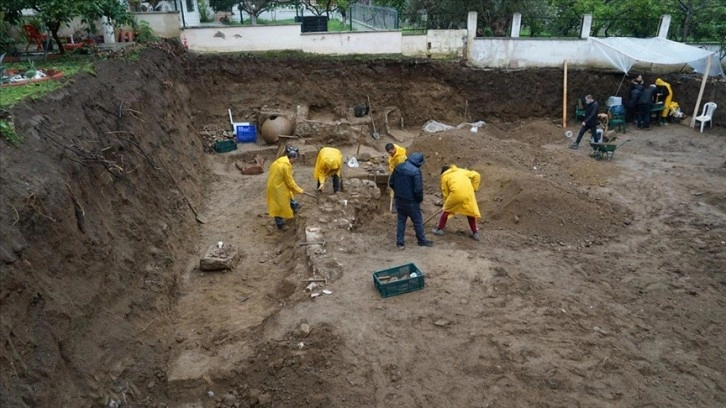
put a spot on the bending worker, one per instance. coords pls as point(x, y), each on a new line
point(665, 88)
point(328, 164)
point(458, 187)
point(281, 188)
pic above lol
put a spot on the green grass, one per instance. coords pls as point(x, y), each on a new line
point(337, 25)
point(10, 95)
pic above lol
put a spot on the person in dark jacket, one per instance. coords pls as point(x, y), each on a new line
point(407, 184)
point(636, 88)
point(645, 104)
point(589, 121)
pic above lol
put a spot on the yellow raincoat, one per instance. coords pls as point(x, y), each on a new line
point(281, 188)
point(458, 187)
point(397, 158)
point(668, 99)
point(328, 163)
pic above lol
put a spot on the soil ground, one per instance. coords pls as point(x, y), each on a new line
point(596, 282)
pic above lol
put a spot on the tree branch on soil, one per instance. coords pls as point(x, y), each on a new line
point(87, 158)
point(142, 152)
point(31, 202)
point(17, 216)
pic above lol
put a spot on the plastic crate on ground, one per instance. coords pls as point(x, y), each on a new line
point(224, 146)
point(397, 280)
point(245, 133)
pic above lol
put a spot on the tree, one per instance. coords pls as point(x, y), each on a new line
point(55, 13)
point(223, 5)
point(694, 13)
point(255, 7)
point(318, 7)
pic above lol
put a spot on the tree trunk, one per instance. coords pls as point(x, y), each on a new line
point(53, 27)
point(686, 24)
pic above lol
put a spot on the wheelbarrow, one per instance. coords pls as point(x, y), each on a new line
point(605, 150)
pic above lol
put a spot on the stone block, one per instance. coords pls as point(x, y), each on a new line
point(217, 259)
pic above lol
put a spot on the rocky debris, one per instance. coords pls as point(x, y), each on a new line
point(219, 258)
point(212, 133)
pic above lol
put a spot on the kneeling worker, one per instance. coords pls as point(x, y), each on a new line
point(328, 164)
point(281, 188)
point(458, 187)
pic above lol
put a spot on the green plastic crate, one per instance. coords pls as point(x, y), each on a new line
point(397, 280)
point(224, 146)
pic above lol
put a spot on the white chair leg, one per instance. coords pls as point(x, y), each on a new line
point(702, 123)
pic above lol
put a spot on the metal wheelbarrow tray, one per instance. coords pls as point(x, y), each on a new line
point(605, 150)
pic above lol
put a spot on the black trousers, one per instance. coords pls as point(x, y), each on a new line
point(644, 115)
point(593, 130)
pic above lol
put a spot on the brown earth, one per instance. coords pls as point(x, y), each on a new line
point(596, 283)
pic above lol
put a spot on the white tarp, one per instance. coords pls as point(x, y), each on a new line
point(624, 52)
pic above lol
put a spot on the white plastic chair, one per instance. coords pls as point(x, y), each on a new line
point(707, 114)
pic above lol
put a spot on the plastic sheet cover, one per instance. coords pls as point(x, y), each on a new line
point(624, 52)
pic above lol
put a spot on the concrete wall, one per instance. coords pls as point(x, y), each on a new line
point(164, 24)
point(414, 44)
point(446, 42)
point(243, 38)
point(371, 42)
point(434, 42)
point(531, 53)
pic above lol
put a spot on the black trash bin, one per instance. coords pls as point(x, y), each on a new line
point(314, 24)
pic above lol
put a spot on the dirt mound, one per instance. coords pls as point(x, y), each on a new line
point(517, 192)
point(301, 368)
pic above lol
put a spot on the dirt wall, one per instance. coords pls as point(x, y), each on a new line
point(91, 231)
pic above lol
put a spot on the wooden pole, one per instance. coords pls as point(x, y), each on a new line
point(564, 97)
point(700, 92)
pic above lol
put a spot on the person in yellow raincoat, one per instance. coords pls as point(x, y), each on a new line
point(328, 165)
point(665, 87)
point(281, 189)
point(396, 156)
point(458, 187)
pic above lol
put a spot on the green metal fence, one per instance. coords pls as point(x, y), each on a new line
point(372, 18)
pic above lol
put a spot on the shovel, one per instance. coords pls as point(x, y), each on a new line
point(376, 135)
point(311, 195)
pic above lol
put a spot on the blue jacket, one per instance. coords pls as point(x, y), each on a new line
point(406, 180)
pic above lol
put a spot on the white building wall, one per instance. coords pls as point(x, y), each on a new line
point(373, 42)
point(242, 38)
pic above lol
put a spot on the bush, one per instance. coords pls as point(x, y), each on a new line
point(144, 33)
